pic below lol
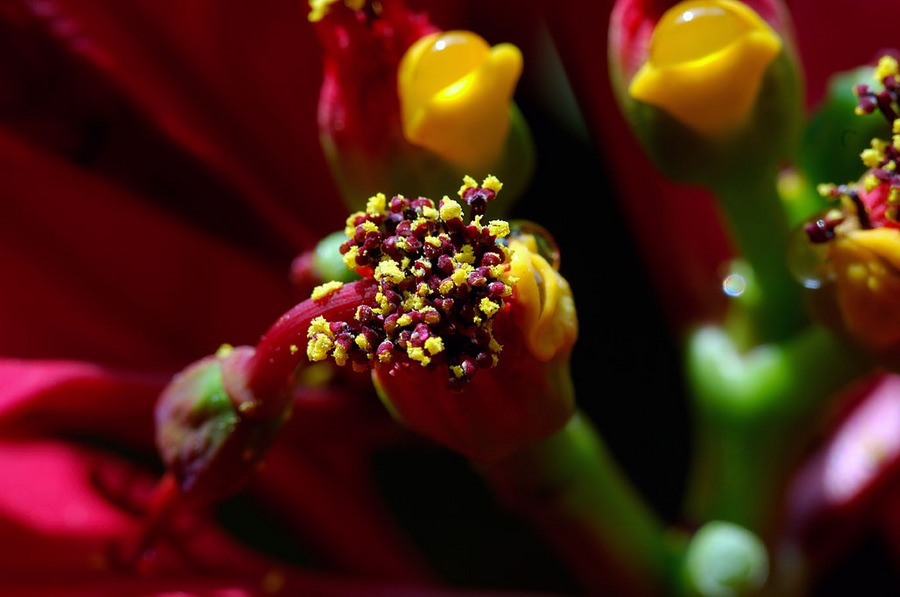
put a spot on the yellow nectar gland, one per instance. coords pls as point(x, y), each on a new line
point(706, 64)
point(455, 96)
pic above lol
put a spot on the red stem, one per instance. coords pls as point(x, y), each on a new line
point(138, 555)
point(259, 381)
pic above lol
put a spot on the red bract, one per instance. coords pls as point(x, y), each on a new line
point(850, 482)
point(159, 175)
point(821, 60)
point(121, 238)
point(81, 523)
point(215, 80)
point(161, 169)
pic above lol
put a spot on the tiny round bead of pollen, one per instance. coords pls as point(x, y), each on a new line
point(469, 366)
point(497, 289)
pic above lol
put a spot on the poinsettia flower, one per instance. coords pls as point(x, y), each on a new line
point(155, 201)
point(684, 266)
point(160, 174)
point(466, 309)
point(705, 65)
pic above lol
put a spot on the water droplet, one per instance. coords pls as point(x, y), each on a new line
point(807, 261)
point(546, 244)
point(734, 285)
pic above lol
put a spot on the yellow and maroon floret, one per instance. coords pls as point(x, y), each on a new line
point(857, 242)
point(442, 280)
point(873, 201)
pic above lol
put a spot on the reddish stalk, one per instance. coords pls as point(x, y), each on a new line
point(259, 380)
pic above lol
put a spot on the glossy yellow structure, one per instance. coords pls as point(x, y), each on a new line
point(706, 64)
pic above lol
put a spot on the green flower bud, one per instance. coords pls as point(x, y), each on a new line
point(204, 437)
point(724, 560)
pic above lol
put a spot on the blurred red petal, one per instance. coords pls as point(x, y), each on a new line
point(322, 491)
point(846, 35)
point(338, 512)
point(232, 83)
point(94, 273)
point(834, 499)
point(230, 585)
point(67, 397)
point(67, 524)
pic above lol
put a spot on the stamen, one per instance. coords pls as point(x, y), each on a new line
point(878, 205)
point(441, 284)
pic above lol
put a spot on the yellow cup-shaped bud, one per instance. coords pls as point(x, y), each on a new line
point(706, 64)
point(549, 319)
point(866, 266)
point(455, 93)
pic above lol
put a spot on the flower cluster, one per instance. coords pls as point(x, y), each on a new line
point(856, 244)
point(441, 282)
point(875, 204)
point(413, 327)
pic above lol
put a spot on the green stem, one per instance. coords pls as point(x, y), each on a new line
point(736, 476)
point(761, 230)
point(755, 409)
point(570, 487)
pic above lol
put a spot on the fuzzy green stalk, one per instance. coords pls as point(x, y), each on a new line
point(771, 307)
point(754, 411)
point(570, 487)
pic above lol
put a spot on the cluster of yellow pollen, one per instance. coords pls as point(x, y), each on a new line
point(441, 282)
point(878, 205)
point(319, 8)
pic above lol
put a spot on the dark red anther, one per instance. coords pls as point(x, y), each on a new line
point(468, 366)
point(404, 228)
point(484, 360)
point(819, 231)
point(490, 258)
point(421, 202)
point(386, 347)
point(497, 289)
point(420, 335)
point(399, 204)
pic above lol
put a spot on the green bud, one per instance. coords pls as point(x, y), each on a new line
point(204, 439)
point(724, 559)
point(328, 262)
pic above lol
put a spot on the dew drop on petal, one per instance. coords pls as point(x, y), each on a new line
point(734, 285)
point(807, 261)
point(546, 244)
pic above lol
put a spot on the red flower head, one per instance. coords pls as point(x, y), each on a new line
point(856, 245)
point(469, 331)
